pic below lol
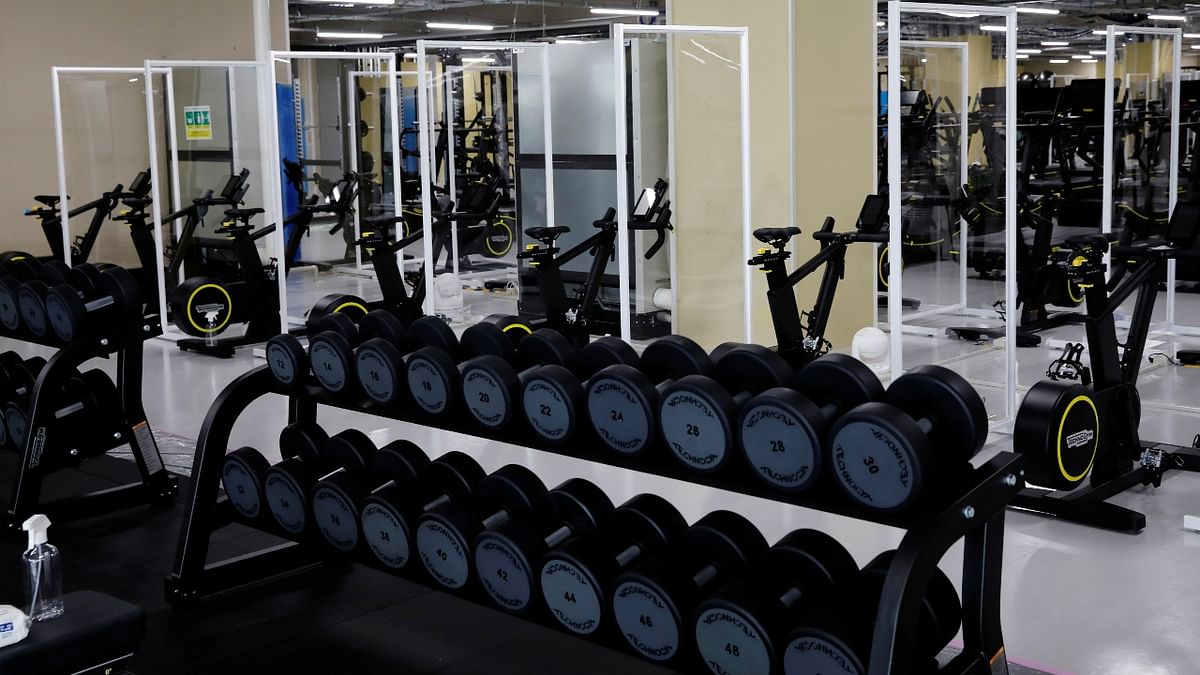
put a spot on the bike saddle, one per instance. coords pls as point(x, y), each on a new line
point(1080, 241)
point(386, 219)
point(547, 233)
point(48, 200)
point(137, 202)
point(244, 213)
point(770, 235)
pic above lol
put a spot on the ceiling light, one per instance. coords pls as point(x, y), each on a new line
point(1060, 60)
point(1054, 43)
point(1029, 51)
point(458, 26)
point(1097, 52)
point(1079, 57)
point(924, 60)
point(1191, 35)
point(1195, 46)
point(1166, 17)
point(479, 59)
point(879, 24)
point(1036, 10)
point(568, 41)
point(410, 55)
point(1055, 49)
point(341, 4)
point(624, 11)
point(994, 28)
point(959, 15)
point(1101, 32)
point(1022, 56)
point(343, 35)
point(133, 79)
point(1088, 61)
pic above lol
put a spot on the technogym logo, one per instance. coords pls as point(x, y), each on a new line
point(1080, 438)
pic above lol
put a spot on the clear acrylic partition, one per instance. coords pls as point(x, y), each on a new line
point(345, 107)
point(215, 127)
point(100, 130)
point(951, 184)
point(682, 113)
point(471, 167)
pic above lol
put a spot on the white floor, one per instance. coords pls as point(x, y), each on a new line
point(1076, 600)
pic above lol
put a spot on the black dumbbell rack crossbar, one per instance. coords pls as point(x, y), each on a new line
point(975, 514)
point(39, 456)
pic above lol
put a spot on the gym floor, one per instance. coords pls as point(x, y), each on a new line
point(1058, 578)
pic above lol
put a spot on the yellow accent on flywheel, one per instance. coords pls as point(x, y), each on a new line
point(345, 305)
point(1095, 441)
point(228, 304)
point(518, 326)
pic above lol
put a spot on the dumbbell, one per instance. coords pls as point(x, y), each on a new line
point(288, 485)
point(577, 576)
point(886, 454)
point(622, 401)
point(491, 385)
point(698, 414)
point(652, 603)
point(20, 379)
point(331, 348)
point(117, 298)
point(86, 403)
point(244, 471)
point(433, 375)
point(31, 296)
point(446, 531)
point(506, 555)
point(336, 303)
point(287, 358)
point(740, 628)
point(783, 432)
point(15, 270)
point(388, 517)
point(552, 395)
point(380, 363)
point(336, 498)
point(837, 639)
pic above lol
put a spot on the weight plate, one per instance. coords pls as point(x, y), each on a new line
point(646, 620)
point(814, 651)
point(33, 307)
point(672, 357)
point(604, 352)
point(731, 643)
point(696, 417)
point(959, 416)
point(572, 595)
point(489, 388)
point(782, 436)
point(386, 532)
point(430, 331)
point(379, 365)
point(504, 573)
point(443, 551)
point(338, 323)
point(750, 367)
point(330, 356)
point(286, 501)
point(351, 305)
point(620, 403)
point(485, 338)
point(335, 513)
point(433, 379)
point(839, 379)
point(551, 398)
point(242, 476)
point(303, 440)
point(287, 359)
point(881, 458)
point(380, 323)
point(545, 346)
point(16, 423)
point(65, 311)
point(1058, 433)
point(10, 313)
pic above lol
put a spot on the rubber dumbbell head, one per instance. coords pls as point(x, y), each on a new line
point(739, 629)
point(652, 603)
point(432, 372)
point(288, 484)
point(698, 414)
point(491, 385)
point(352, 306)
point(15, 271)
point(783, 431)
point(446, 532)
point(506, 555)
point(389, 514)
point(243, 473)
point(885, 454)
point(577, 576)
point(380, 362)
point(83, 406)
point(118, 299)
point(331, 349)
point(31, 297)
point(837, 639)
point(1058, 433)
point(622, 401)
point(553, 395)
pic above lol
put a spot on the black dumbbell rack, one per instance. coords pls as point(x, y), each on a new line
point(155, 486)
point(975, 514)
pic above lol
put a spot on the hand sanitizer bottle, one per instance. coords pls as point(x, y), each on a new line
point(43, 572)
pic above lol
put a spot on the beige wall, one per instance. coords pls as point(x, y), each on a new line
point(834, 150)
point(35, 36)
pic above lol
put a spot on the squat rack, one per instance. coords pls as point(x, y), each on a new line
point(974, 514)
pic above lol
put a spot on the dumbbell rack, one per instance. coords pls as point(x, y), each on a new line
point(975, 515)
point(155, 487)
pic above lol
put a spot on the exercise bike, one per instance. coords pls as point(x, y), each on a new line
point(333, 198)
point(580, 317)
point(50, 217)
point(205, 307)
point(1083, 422)
point(800, 337)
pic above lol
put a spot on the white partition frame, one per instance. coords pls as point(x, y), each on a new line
point(369, 61)
point(1171, 324)
point(620, 31)
point(895, 278)
point(351, 94)
point(60, 144)
point(268, 149)
point(426, 91)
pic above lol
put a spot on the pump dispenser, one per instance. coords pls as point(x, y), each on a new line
point(43, 572)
